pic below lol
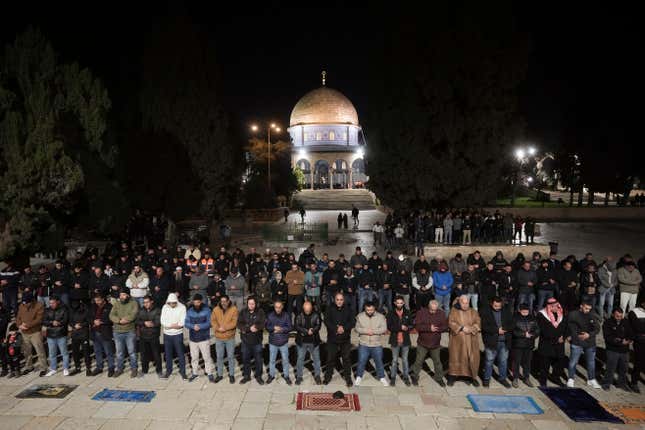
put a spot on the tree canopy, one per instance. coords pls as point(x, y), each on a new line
point(443, 116)
point(50, 113)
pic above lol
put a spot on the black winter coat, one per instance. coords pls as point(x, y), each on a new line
point(61, 315)
point(521, 325)
point(154, 315)
point(335, 317)
point(615, 333)
point(490, 329)
point(105, 329)
point(394, 324)
point(79, 315)
point(302, 325)
point(548, 346)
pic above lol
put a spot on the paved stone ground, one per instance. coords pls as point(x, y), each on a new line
point(201, 405)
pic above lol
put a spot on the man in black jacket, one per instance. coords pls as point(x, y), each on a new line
point(101, 332)
point(339, 321)
point(637, 323)
point(497, 326)
point(525, 331)
point(250, 322)
point(307, 325)
point(399, 324)
point(582, 328)
point(148, 328)
point(55, 320)
point(78, 321)
point(618, 336)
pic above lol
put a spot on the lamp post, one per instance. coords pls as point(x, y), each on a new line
point(277, 129)
point(522, 155)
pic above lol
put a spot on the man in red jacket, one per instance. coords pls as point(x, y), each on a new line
point(429, 322)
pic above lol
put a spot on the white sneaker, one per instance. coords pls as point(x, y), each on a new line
point(51, 372)
point(593, 383)
point(358, 380)
point(384, 382)
point(570, 383)
point(65, 372)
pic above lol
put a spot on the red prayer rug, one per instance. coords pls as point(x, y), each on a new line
point(326, 402)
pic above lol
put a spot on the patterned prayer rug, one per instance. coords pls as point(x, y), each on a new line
point(124, 396)
point(579, 405)
point(326, 402)
point(631, 414)
point(47, 391)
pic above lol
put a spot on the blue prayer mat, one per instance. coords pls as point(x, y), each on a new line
point(579, 405)
point(124, 396)
point(504, 404)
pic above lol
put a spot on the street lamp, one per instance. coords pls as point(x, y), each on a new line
point(522, 154)
point(275, 128)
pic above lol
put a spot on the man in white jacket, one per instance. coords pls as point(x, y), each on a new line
point(138, 282)
point(173, 316)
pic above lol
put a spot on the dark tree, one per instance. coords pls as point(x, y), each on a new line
point(443, 105)
point(181, 97)
point(52, 124)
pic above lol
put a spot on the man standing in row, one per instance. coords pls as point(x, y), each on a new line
point(370, 326)
point(149, 328)
point(497, 326)
point(123, 315)
point(463, 349)
point(339, 321)
point(224, 323)
point(251, 325)
point(198, 321)
point(307, 325)
point(29, 320)
point(173, 318)
point(429, 322)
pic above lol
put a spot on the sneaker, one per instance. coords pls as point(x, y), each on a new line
point(287, 380)
point(217, 379)
point(298, 381)
point(593, 383)
point(505, 383)
point(245, 380)
point(317, 380)
point(231, 379)
point(134, 373)
point(270, 379)
point(211, 378)
point(515, 383)
point(570, 383)
point(358, 380)
point(52, 372)
point(66, 372)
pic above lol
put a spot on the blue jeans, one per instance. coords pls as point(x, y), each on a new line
point(54, 346)
point(404, 361)
point(542, 297)
point(527, 298)
point(229, 346)
point(364, 354)
point(474, 298)
point(284, 356)
point(590, 358)
point(605, 296)
point(174, 345)
point(139, 300)
point(444, 302)
point(125, 342)
point(365, 295)
point(385, 298)
point(252, 352)
point(103, 346)
point(501, 353)
point(314, 351)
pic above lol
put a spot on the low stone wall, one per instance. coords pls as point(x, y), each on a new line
point(257, 215)
point(487, 251)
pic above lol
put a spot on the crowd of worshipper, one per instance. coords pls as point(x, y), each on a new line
point(127, 304)
point(455, 227)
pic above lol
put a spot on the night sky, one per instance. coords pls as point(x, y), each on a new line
point(582, 64)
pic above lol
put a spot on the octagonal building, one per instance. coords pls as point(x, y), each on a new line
point(328, 142)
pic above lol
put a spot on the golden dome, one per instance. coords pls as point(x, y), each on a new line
point(324, 106)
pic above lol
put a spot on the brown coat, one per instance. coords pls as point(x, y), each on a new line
point(227, 320)
point(463, 348)
point(295, 282)
point(30, 314)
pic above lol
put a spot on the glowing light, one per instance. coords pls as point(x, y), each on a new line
point(360, 153)
point(277, 129)
point(273, 125)
point(302, 153)
point(519, 153)
point(254, 127)
point(532, 150)
point(529, 179)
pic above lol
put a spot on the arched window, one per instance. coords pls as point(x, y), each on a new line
point(319, 136)
point(332, 135)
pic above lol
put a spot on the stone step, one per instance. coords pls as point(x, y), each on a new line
point(333, 199)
